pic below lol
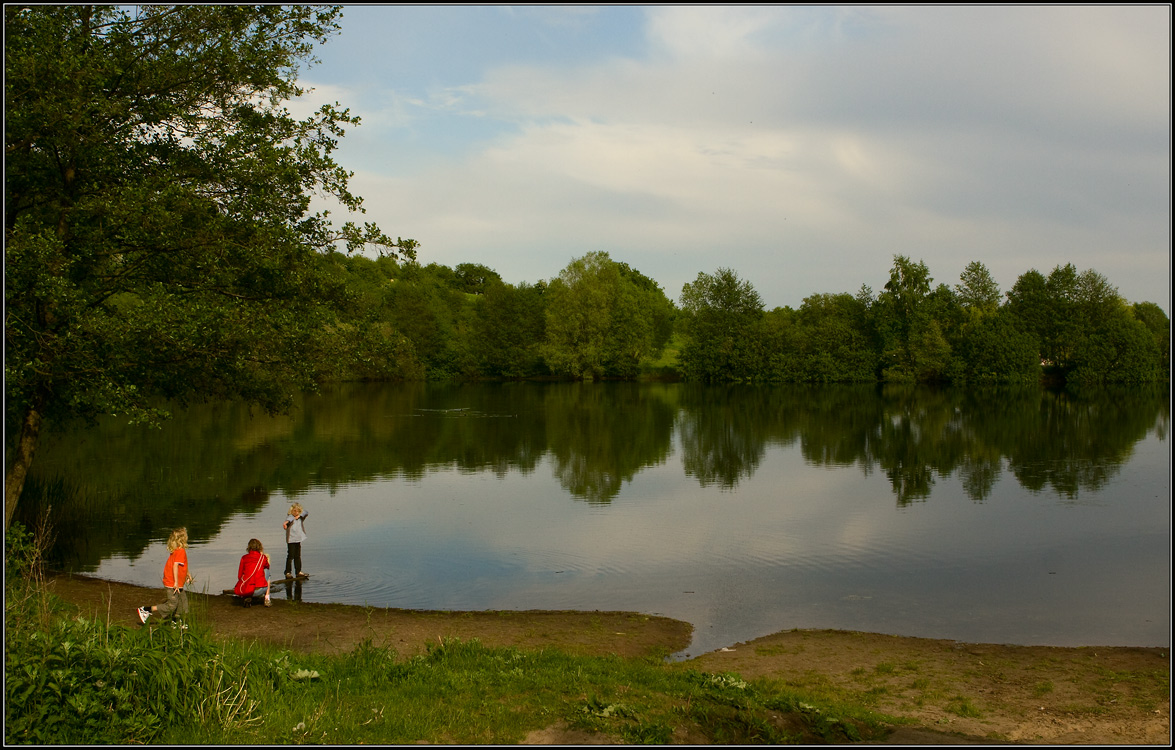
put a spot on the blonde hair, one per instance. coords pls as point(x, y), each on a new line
point(296, 510)
point(177, 539)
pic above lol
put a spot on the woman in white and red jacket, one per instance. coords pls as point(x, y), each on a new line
point(253, 573)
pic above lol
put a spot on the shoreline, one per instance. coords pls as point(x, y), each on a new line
point(951, 691)
point(679, 655)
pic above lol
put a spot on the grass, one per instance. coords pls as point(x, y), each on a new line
point(463, 692)
point(667, 364)
point(962, 706)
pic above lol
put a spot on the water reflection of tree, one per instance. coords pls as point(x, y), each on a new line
point(1075, 442)
point(601, 437)
point(979, 473)
point(1067, 441)
point(118, 487)
point(920, 434)
point(122, 486)
point(723, 432)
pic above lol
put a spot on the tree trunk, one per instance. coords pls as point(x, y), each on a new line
point(30, 435)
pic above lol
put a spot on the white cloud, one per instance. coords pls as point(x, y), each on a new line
point(804, 147)
point(709, 31)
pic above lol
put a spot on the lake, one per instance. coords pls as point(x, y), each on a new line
point(1008, 516)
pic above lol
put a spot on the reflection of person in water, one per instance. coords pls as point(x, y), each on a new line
point(294, 589)
point(295, 535)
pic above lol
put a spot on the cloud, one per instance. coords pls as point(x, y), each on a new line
point(803, 147)
point(709, 31)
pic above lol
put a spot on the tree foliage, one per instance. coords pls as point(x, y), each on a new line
point(159, 240)
point(993, 350)
point(722, 318)
point(913, 346)
point(602, 318)
point(1159, 326)
point(509, 330)
point(978, 293)
point(828, 340)
point(913, 332)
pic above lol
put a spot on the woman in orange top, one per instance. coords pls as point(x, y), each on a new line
point(253, 573)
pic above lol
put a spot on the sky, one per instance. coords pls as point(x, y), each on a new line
point(802, 147)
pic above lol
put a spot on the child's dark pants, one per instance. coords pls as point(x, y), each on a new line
point(293, 557)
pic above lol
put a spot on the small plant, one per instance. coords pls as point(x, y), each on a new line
point(595, 707)
point(227, 703)
point(724, 681)
point(961, 706)
point(647, 734)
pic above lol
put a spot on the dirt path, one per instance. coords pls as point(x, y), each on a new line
point(956, 693)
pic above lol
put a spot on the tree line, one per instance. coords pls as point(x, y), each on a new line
point(603, 319)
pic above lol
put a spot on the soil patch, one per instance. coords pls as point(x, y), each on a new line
point(965, 692)
point(953, 693)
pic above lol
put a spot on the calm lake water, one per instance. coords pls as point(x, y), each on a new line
point(1025, 517)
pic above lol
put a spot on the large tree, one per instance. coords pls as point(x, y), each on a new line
point(603, 317)
point(910, 317)
point(838, 341)
point(978, 293)
point(722, 321)
point(159, 239)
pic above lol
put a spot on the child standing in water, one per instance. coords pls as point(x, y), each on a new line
point(253, 573)
point(175, 576)
point(295, 535)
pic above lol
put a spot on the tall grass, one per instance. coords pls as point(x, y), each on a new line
point(70, 679)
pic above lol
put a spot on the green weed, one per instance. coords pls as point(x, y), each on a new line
point(961, 706)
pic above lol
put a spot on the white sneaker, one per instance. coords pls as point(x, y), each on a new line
point(144, 613)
